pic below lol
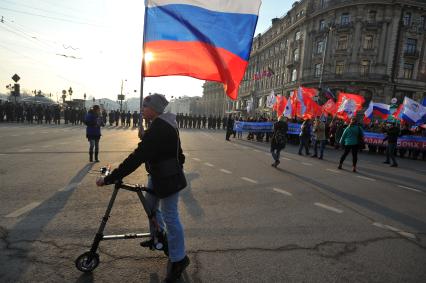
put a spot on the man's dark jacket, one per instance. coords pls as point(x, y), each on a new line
point(159, 143)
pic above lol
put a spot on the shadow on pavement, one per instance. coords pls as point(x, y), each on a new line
point(23, 235)
point(191, 204)
point(387, 212)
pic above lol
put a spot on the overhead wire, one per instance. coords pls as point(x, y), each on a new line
point(52, 18)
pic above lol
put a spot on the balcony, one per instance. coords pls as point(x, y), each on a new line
point(342, 27)
point(347, 77)
point(413, 54)
point(372, 25)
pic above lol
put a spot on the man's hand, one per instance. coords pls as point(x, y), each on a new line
point(141, 132)
point(100, 182)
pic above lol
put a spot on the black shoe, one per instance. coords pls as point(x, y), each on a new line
point(340, 167)
point(320, 158)
point(314, 156)
point(300, 153)
point(386, 162)
point(175, 269)
point(96, 160)
point(394, 165)
point(148, 244)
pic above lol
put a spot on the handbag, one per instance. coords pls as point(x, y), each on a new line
point(167, 176)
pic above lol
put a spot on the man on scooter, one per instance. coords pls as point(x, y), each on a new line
point(160, 150)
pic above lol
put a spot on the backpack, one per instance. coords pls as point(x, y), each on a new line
point(280, 138)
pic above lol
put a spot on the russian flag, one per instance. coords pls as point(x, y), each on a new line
point(382, 110)
point(368, 114)
point(205, 39)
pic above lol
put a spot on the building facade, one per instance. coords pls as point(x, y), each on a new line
point(185, 105)
point(376, 48)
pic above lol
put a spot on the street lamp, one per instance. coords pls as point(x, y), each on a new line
point(70, 92)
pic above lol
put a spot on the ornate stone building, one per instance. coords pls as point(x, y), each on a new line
point(373, 47)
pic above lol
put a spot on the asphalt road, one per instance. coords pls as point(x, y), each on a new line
point(244, 220)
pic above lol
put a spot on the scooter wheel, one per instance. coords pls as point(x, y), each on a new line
point(87, 262)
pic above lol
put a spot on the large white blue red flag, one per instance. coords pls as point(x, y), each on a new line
point(368, 114)
point(382, 110)
point(205, 39)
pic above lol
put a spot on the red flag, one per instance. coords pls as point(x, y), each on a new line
point(312, 109)
point(348, 104)
point(398, 112)
point(279, 106)
point(303, 104)
point(329, 108)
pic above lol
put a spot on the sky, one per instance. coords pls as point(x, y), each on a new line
point(92, 46)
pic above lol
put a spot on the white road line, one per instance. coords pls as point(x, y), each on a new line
point(23, 210)
point(328, 207)
point(396, 230)
point(408, 235)
point(25, 150)
point(283, 192)
point(307, 164)
point(332, 170)
point(288, 159)
point(225, 171)
point(208, 164)
point(44, 132)
point(196, 159)
point(255, 150)
point(63, 143)
point(46, 146)
point(366, 178)
point(249, 180)
point(69, 187)
point(14, 135)
point(408, 188)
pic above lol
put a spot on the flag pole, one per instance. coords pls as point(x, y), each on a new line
point(141, 126)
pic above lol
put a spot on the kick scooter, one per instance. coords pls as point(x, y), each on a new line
point(88, 261)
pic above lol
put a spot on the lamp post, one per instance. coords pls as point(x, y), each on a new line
point(330, 29)
point(70, 92)
point(64, 95)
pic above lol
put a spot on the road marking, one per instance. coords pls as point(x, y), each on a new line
point(411, 189)
point(366, 178)
point(244, 147)
point(249, 180)
point(396, 230)
point(256, 150)
point(328, 207)
point(225, 171)
point(288, 159)
point(196, 159)
point(25, 150)
point(334, 171)
point(23, 210)
point(307, 164)
point(46, 146)
point(44, 132)
point(208, 164)
point(63, 143)
point(408, 235)
point(69, 187)
point(283, 192)
point(14, 135)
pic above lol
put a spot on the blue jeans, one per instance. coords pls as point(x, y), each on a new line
point(322, 146)
point(167, 215)
point(94, 143)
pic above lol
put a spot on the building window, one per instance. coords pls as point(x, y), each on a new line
point(408, 71)
point(407, 19)
point(323, 3)
point(340, 67)
point(296, 55)
point(411, 46)
point(345, 19)
point(318, 68)
point(297, 36)
point(321, 25)
point(372, 16)
point(342, 43)
point(320, 47)
point(365, 67)
point(423, 22)
point(368, 42)
point(294, 75)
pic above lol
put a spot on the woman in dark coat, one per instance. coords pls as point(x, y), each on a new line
point(93, 121)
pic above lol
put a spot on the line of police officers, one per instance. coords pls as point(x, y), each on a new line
point(186, 121)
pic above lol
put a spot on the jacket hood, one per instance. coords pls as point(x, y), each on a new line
point(170, 118)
